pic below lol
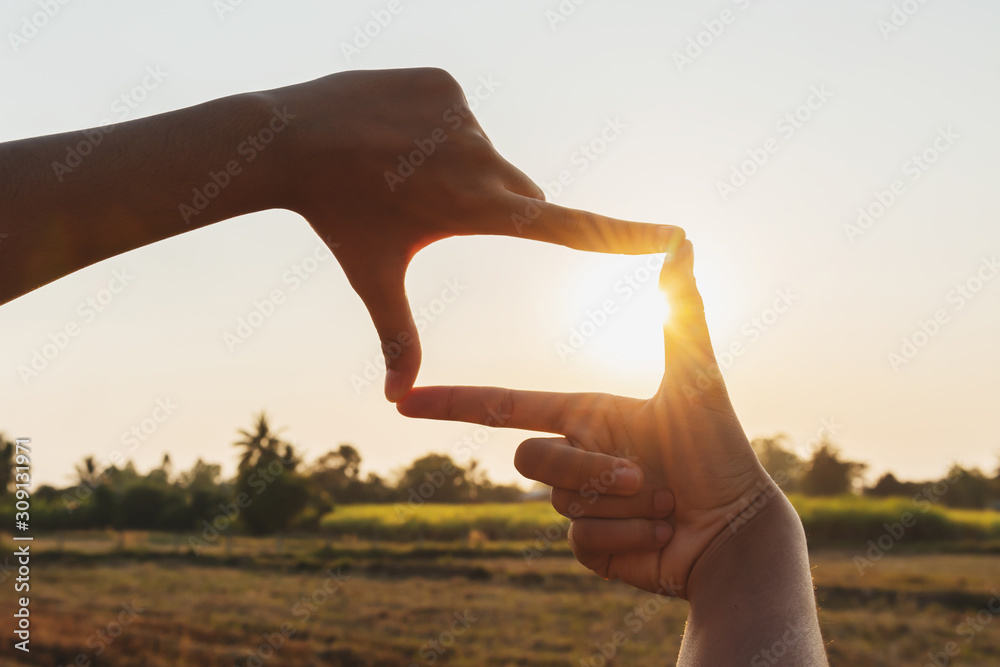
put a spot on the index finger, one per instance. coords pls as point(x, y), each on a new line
point(544, 221)
point(492, 406)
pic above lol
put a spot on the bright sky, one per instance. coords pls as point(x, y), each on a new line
point(833, 105)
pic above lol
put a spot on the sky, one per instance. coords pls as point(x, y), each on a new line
point(834, 164)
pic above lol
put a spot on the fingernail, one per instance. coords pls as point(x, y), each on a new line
point(663, 533)
point(627, 476)
point(663, 501)
point(394, 387)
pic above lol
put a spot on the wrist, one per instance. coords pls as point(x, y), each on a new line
point(312, 162)
point(763, 521)
point(265, 149)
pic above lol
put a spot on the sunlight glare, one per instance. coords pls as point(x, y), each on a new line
point(618, 313)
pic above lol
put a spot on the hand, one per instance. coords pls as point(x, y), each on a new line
point(386, 162)
point(686, 438)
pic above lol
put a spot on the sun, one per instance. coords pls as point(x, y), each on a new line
point(661, 306)
point(617, 313)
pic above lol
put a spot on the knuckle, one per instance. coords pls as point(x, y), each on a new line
point(435, 76)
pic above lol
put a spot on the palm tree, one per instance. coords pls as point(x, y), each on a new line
point(86, 471)
point(260, 445)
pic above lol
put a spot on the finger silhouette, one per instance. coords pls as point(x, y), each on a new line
point(544, 221)
point(389, 308)
point(689, 360)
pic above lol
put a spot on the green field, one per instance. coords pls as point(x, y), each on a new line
point(401, 523)
point(829, 522)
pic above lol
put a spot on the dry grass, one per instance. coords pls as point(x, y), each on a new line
point(551, 612)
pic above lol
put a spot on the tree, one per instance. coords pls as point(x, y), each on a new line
point(85, 471)
point(274, 505)
point(7, 457)
point(968, 487)
point(827, 474)
point(267, 476)
point(887, 486)
point(141, 506)
point(995, 489)
point(205, 491)
point(260, 445)
point(373, 489)
point(435, 478)
point(783, 465)
point(201, 476)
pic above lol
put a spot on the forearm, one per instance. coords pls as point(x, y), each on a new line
point(73, 199)
point(751, 594)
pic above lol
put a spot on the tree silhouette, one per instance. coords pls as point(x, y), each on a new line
point(86, 471)
point(827, 474)
point(435, 478)
point(333, 472)
point(783, 465)
point(887, 486)
point(260, 445)
point(6, 464)
point(267, 477)
point(967, 487)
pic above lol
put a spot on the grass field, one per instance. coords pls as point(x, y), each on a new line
point(829, 522)
point(451, 586)
point(423, 609)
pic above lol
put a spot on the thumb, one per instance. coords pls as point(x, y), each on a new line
point(384, 294)
point(690, 364)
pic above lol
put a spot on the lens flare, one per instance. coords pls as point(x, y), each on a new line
point(662, 308)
